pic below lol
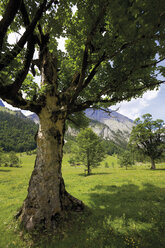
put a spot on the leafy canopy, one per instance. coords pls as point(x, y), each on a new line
point(89, 148)
point(126, 159)
point(112, 49)
point(148, 136)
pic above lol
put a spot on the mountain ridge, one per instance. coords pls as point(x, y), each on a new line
point(1, 104)
point(110, 126)
point(101, 114)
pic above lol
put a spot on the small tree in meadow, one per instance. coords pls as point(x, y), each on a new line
point(13, 159)
point(126, 159)
point(90, 149)
point(148, 136)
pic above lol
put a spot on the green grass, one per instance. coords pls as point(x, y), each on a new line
point(125, 208)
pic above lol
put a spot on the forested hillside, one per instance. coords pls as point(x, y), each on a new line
point(17, 131)
point(16, 134)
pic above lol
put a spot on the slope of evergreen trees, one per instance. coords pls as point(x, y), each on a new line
point(16, 134)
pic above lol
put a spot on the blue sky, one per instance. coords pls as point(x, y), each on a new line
point(152, 102)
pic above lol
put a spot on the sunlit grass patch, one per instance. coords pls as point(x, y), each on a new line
point(124, 208)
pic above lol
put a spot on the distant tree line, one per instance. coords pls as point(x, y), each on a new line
point(110, 147)
point(16, 134)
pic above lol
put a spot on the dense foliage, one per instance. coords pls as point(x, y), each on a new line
point(110, 147)
point(126, 159)
point(16, 134)
point(88, 149)
point(112, 52)
point(9, 159)
point(148, 136)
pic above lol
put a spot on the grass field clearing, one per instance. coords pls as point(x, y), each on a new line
point(125, 208)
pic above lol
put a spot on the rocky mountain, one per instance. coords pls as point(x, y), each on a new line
point(34, 118)
point(114, 126)
point(110, 126)
point(99, 115)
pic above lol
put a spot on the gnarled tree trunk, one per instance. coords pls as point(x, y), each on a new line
point(47, 196)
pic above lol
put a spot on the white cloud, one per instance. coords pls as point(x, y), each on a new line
point(150, 95)
point(135, 107)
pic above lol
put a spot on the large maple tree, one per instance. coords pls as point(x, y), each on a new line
point(112, 52)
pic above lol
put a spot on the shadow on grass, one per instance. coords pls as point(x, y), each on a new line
point(5, 170)
point(94, 174)
point(119, 217)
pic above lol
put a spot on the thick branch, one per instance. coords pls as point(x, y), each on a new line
point(89, 78)
point(80, 87)
point(77, 88)
point(111, 101)
point(20, 44)
point(19, 102)
point(93, 72)
point(88, 44)
point(25, 15)
point(76, 84)
point(107, 90)
point(84, 65)
point(11, 10)
point(21, 75)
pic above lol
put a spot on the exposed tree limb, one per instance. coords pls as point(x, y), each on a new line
point(20, 44)
point(76, 85)
point(21, 75)
point(19, 102)
point(88, 44)
point(24, 13)
point(93, 72)
point(113, 100)
point(77, 88)
point(107, 89)
point(88, 79)
point(11, 11)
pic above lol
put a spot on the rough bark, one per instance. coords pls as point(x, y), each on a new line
point(47, 197)
point(153, 167)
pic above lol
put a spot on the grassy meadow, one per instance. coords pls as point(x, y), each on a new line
point(124, 208)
